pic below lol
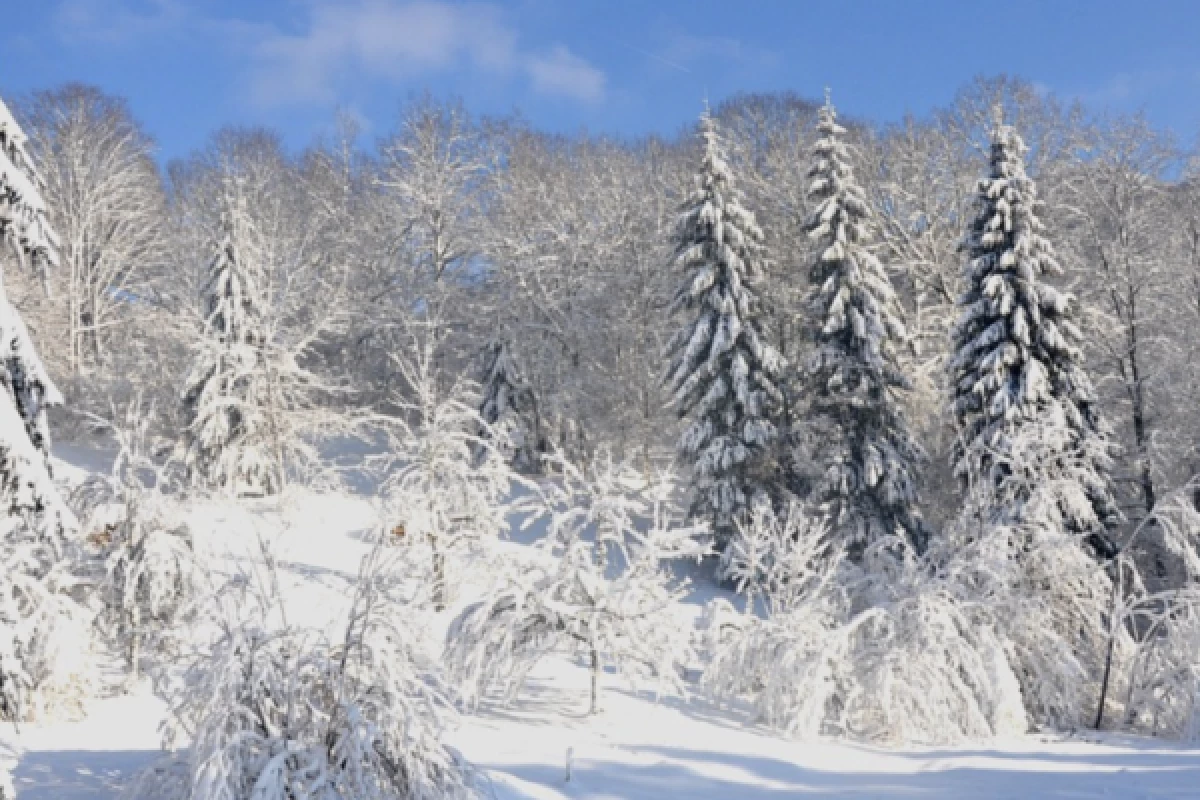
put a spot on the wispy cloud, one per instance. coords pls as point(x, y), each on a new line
point(1130, 88)
point(377, 39)
point(116, 23)
point(561, 72)
point(341, 43)
point(684, 50)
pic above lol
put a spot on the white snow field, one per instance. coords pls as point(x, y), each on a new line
point(546, 746)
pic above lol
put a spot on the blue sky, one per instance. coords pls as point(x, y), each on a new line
point(613, 66)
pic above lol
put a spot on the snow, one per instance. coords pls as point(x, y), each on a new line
point(638, 747)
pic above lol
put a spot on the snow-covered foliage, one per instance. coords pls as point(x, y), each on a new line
point(228, 442)
point(242, 388)
point(446, 495)
point(278, 711)
point(1034, 580)
point(867, 460)
point(723, 374)
point(509, 406)
point(1154, 685)
point(105, 198)
point(148, 575)
point(600, 586)
point(775, 552)
point(1017, 362)
point(879, 651)
point(43, 629)
point(23, 219)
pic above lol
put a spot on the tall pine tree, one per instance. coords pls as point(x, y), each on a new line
point(34, 522)
point(231, 442)
point(1017, 368)
point(723, 375)
point(867, 457)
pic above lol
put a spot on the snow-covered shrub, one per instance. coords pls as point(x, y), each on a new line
point(1163, 694)
point(599, 586)
point(776, 554)
point(275, 711)
point(1014, 556)
point(880, 651)
point(8, 760)
point(447, 491)
point(44, 652)
point(148, 561)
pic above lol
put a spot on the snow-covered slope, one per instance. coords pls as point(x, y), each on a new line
point(546, 746)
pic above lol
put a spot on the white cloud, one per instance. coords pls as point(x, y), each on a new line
point(341, 43)
point(683, 50)
point(391, 40)
point(114, 23)
point(377, 39)
point(561, 72)
point(1128, 88)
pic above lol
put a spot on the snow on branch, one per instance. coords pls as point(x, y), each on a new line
point(600, 586)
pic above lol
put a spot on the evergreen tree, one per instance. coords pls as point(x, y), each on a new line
point(231, 442)
point(509, 405)
point(723, 375)
point(868, 458)
point(1017, 368)
point(34, 523)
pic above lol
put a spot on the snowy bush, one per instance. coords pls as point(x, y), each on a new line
point(447, 492)
point(281, 712)
point(44, 652)
point(1163, 685)
point(882, 654)
point(1014, 556)
point(148, 561)
point(8, 760)
point(599, 586)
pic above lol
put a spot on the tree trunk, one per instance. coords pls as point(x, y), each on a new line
point(595, 706)
point(439, 576)
point(1112, 639)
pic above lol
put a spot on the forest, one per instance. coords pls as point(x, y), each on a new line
point(870, 432)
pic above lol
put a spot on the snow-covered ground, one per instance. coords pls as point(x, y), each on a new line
point(546, 746)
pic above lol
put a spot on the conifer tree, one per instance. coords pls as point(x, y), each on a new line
point(35, 609)
point(723, 375)
point(867, 457)
point(1017, 368)
point(509, 405)
point(230, 443)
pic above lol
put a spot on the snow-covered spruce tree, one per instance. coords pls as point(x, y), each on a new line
point(723, 374)
point(509, 405)
point(231, 442)
point(599, 586)
point(867, 458)
point(1016, 359)
point(42, 628)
